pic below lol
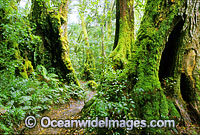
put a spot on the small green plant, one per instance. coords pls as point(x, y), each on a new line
point(42, 74)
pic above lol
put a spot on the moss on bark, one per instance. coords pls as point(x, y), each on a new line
point(165, 27)
point(52, 27)
point(124, 35)
point(158, 22)
point(25, 66)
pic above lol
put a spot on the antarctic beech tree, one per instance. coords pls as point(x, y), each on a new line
point(52, 27)
point(163, 70)
point(124, 33)
point(164, 66)
point(165, 62)
point(89, 64)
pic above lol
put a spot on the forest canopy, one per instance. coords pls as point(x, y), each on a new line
point(135, 62)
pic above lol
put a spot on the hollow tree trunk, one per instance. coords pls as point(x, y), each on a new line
point(124, 33)
point(165, 62)
point(52, 27)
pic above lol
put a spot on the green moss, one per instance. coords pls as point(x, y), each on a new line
point(71, 77)
point(152, 35)
point(55, 42)
point(15, 45)
point(17, 53)
point(24, 75)
point(122, 52)
point(26, 69)
point(173, 113)
point(197, 81)
point(92, 84)
point(55, 22)
point(22, 71)
point(164, 107)
point(28, 66)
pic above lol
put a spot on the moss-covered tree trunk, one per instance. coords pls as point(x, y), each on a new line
point(89, 64)
point(165, 62)
point(124, 33)
point(52, 27)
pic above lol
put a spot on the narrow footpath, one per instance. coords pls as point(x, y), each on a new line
point(61, 112)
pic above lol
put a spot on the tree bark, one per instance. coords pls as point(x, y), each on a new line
point(124, 34)
point(163, 70)
point(52, 27)
point(165, 62)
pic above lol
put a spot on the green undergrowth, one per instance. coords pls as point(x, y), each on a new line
point(112, 100)
point(118, 100)
point(21, 97)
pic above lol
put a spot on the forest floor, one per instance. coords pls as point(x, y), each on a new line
point(71, 111)
point(61, 112)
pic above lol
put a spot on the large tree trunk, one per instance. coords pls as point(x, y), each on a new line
point(163, 68)
point(52, 27)
point(166, 52)
point(124, 33)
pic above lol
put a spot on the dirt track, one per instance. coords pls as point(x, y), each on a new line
point(61, 112)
